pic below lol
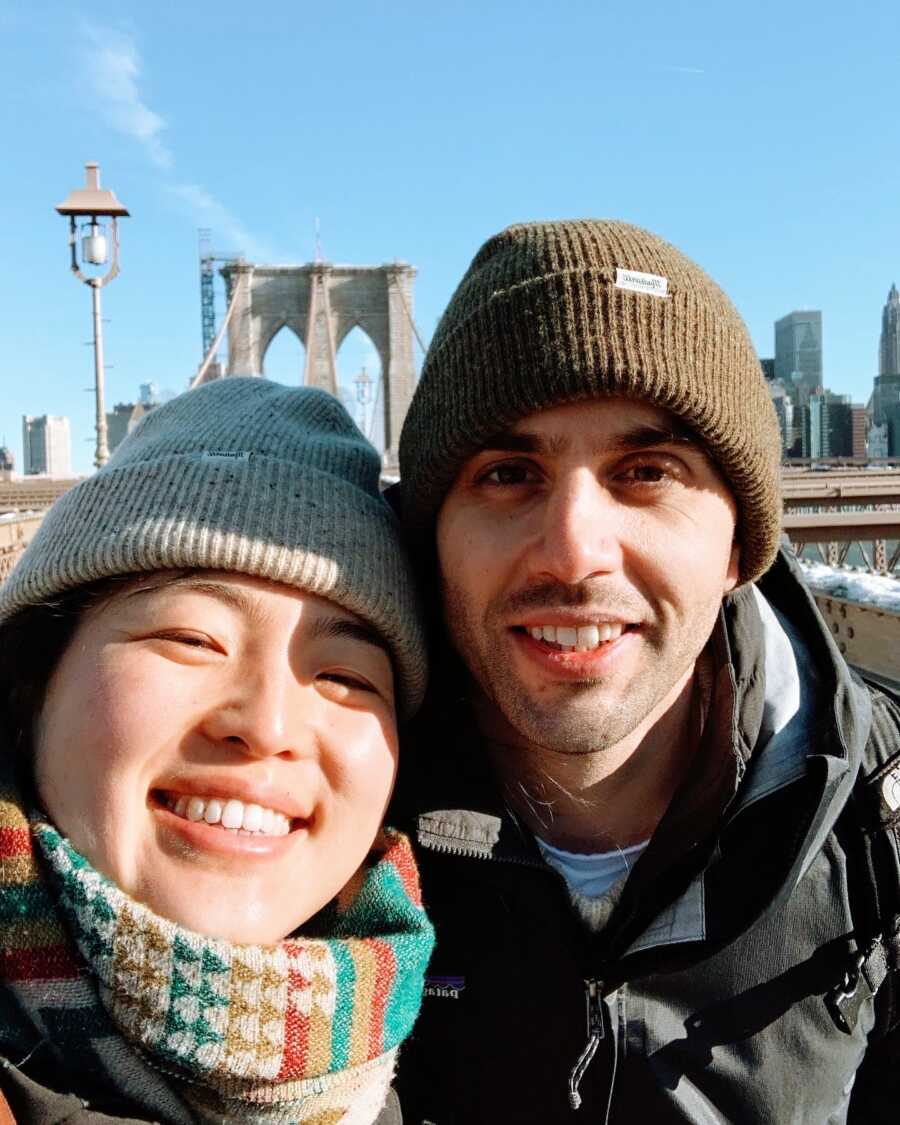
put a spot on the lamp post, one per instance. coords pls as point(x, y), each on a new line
point(363, 387)
point(90, 204)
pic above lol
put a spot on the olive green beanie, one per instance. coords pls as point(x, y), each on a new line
point(555, 312)
point(243, 475)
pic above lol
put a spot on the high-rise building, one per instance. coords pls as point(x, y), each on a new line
point(859, 424)
point(885, 394)
point(784, 411)
point(877, 445)
point(828, 429)
point(768, 369)
point(124, 417)
point(149, 394)
point(798, 352)
point(7, 463)
point(46, 445)
point(889, 344)
point(892, 420)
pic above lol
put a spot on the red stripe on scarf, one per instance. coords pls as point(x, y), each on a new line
point(53, 962)
point(401, 856)
point(296, 1029)
point(387, 973)
point(14, 842)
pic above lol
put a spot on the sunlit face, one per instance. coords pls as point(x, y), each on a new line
point(223, 748)
point(584, 555)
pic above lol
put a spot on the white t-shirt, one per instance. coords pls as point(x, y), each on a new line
point(593, 874)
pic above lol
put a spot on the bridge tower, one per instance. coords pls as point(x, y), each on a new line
point(321, 303)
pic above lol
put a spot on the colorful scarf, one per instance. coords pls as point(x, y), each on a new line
point(305, 1031)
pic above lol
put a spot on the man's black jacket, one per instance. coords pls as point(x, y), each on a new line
point(704, 994)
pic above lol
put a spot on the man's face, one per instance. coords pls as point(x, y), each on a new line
point(584, 554)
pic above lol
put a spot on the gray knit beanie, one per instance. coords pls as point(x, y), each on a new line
point(555, 312)
point(242, 475)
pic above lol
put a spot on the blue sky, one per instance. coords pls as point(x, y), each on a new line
point(762, 139)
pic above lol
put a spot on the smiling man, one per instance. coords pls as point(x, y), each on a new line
point(632, 786)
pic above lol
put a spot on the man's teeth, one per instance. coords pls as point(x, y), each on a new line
point(583, 639)
point(232, 814)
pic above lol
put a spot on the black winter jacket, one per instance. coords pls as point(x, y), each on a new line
point(703, 997)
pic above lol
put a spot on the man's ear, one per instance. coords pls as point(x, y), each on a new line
point(733, 573)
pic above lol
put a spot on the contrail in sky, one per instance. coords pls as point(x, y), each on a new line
point(112, 81)
point(683, 69)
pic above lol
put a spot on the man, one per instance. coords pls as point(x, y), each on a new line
point(635, 789)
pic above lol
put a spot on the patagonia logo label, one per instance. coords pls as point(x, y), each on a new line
point(225, 455)
point(446, 988)
point(637, 282)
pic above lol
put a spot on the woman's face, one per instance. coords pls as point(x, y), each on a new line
point(222, 747)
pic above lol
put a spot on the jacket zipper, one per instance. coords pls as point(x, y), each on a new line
point(593, 990)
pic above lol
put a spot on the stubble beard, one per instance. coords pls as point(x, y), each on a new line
point(573, 718)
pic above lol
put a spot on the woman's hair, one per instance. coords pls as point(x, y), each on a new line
point(32, 642)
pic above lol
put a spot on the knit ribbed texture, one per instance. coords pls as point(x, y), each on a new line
point(538, 321)
point(242, 475)
point(275, 1034)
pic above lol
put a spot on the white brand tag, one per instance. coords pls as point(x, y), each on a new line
point(638, 282)
point(225, 455)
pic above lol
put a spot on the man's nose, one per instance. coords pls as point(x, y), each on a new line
point(582, 530)
point(263, 714)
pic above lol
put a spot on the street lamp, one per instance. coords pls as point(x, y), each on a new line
point(91, 204)
point(363, 388)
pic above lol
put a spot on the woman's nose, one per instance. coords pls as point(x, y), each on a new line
point(264, 713)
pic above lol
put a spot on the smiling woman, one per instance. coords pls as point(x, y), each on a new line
point(203, 655)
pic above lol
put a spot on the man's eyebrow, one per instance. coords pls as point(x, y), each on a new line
point(337, 628)
point(513, 442)
point(647, 436)
point(635, 438)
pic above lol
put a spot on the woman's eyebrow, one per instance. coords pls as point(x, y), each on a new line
point(231, 596)
point(329, 628)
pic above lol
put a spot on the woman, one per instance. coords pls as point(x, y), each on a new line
point(203, 654)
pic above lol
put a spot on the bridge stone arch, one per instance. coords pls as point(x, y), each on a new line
point(275, 330)
point(321, 303)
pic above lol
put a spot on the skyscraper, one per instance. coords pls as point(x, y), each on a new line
point(889, 344)
point(860, 426)
point(784, 410)
point(885, 396)
point(122, 421)
point(829, 426)
point(46, 445)
point(798, 352)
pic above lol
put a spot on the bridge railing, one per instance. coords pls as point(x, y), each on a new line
point(864, 539)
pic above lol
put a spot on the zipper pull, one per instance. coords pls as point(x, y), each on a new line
point(594, 1004)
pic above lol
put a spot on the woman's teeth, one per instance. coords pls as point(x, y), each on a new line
point(583, 639)
point(232, 815)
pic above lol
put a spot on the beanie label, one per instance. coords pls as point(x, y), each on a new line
point(638, 282)
point(225, 455)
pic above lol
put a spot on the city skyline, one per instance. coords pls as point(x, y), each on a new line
point(793, 326)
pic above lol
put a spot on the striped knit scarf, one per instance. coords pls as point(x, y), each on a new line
point(191, 1028)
